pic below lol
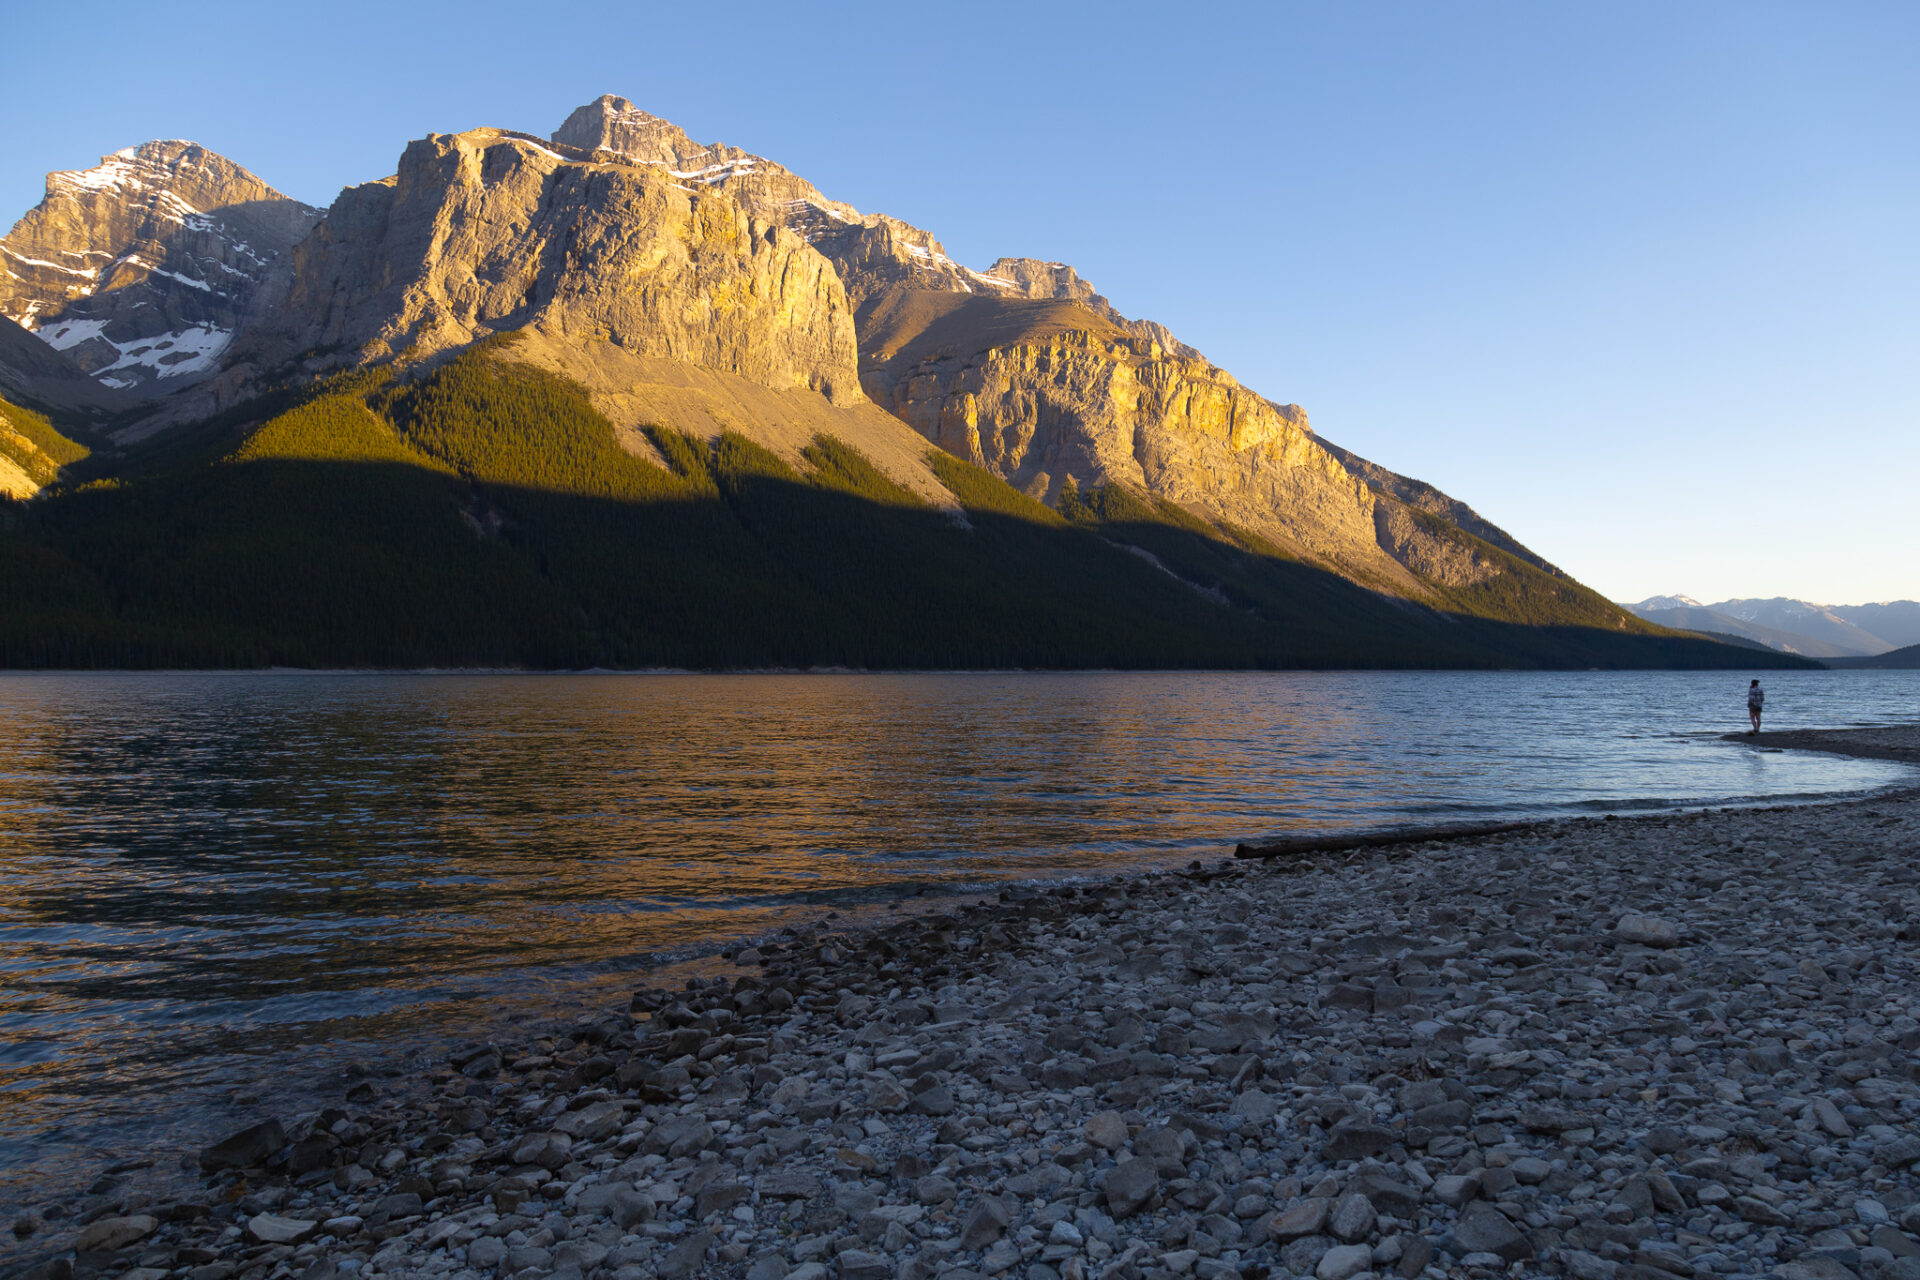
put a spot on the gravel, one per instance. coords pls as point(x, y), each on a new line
point(1674, 1046)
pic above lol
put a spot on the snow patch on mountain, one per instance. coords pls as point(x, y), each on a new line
point(121, 169)
point(64, 334)
point(170, 355)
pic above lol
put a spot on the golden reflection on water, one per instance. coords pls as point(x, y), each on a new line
point(228, 840)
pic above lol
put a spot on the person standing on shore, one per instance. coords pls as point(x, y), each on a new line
point(1756, 699)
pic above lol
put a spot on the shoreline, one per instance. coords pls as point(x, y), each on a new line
point(1874, 742)
point(1398, 1053)
point(834, 670)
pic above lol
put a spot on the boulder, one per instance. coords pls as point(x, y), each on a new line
point(1308, 1218)
point(104, 1235)
point(250, 1147)
point(592, 1122)
point(858, 1264)
point(1352, 1218)
point(1356, 1142)
point(547, 1150)
point(788, 1184)
point(1106, 1130)
point(1484, 1229)
point(687, 1257)
point(1647, 931)
point(678, 1136)
point(985, 1223)
point(719, 1197)
point(1130, 1185)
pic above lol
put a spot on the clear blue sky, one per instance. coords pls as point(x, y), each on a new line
point(1641, 282)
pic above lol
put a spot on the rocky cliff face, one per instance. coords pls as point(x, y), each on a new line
point(1040, 394)
point(143, 268)
point(1421, 496)
point(1043, 393)
point(489, 230)
point(870, 251)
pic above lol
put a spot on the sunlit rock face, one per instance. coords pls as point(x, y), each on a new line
point(1044, 394)
point(990, 365)
point(24, 469)
point(870, 251)
point(143, 268)
point(487, 230)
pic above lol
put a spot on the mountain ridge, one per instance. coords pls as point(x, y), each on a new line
point(1794, 626)
point(703, 291)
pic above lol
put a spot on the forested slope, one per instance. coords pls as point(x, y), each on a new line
point(486, 515)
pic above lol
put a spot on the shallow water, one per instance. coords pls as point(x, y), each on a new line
point(212, 882)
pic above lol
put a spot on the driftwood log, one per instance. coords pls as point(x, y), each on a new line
point(1301, 845)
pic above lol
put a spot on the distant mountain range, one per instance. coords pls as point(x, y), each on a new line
point(1794, 626)
point(612, 396)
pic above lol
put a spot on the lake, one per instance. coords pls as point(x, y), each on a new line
point(221, 884)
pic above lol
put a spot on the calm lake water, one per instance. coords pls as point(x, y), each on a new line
point(223, 882)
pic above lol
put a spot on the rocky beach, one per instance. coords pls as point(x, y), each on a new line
point(1617, 1049)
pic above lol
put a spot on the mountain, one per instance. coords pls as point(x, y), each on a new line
point(1894, 622)
point(1794, 626)
point(675, 308)
point(616, 397)
point(1699, 618)
point(1797, 616)
point(142, 268)
point(1047, 392)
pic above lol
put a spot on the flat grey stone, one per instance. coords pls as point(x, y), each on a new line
point(1647, 931)
point(1343, 1262)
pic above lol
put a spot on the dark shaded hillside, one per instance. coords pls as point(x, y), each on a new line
point(487, 516)
point(1907, 659)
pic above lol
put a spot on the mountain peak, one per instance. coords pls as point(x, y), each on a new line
point(157, 163)
point(612, 123)
point(142, 267)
